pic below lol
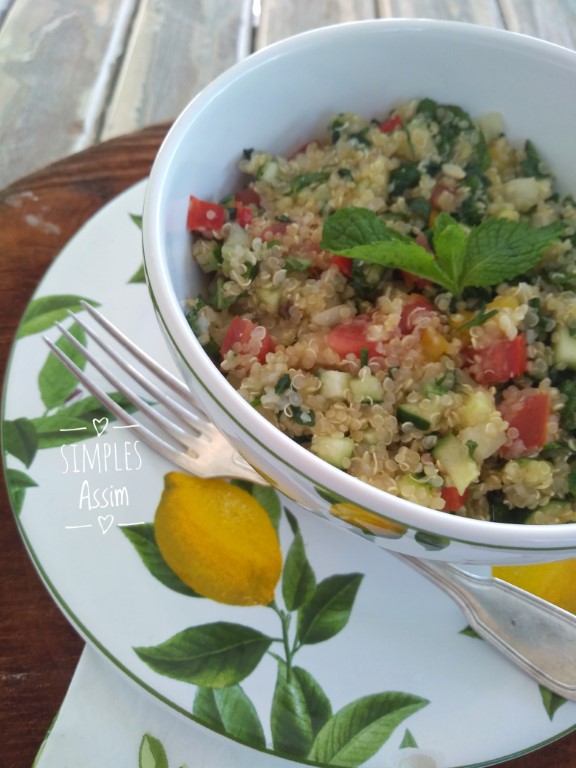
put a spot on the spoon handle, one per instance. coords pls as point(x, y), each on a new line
point(536, 635)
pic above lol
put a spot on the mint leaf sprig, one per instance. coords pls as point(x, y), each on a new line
point(490, 253)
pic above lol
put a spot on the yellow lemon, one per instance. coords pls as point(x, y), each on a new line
point(555, 582)
point(218, 539)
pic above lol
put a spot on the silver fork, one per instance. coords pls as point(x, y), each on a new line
point(537, 636)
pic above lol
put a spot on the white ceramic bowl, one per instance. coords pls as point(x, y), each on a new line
point(279, 98)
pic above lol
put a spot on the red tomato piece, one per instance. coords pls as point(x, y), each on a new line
point(499, 361)
point(240, 331)
point(453, 500)
point(247, 196)
point(414, 281)
point(414, 309)
point(204, 217)
point(343, 263)
point(273, 231)
point(528, 414)
point(350, 338)
point(391, 124)
point(243, 214)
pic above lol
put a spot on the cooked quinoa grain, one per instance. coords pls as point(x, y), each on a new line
point(398, 296)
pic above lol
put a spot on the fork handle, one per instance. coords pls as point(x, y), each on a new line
point(536, 635)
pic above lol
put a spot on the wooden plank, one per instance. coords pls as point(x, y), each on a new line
point(484, 12)
point(281, 18)
point(176, 48)
point(56, 58)
point(552, 20)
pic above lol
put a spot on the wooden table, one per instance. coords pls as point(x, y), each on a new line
point(77, 72)
point(114, 88)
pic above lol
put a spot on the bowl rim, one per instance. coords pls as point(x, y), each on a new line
point(284, 450)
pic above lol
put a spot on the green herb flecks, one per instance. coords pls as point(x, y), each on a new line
point(284, 383)
point(478, 319)
point(490, 253)
point(309, 179)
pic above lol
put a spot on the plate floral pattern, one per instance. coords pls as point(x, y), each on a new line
point(356, 661)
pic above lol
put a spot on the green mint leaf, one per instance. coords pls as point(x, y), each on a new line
point(494, 251)
point(360, 234)
point(354, 226)
point(449, 240)
point(501, 249)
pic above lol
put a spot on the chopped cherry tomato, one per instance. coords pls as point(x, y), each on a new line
point(204, 217)
point(415, 308)
point(243, 214)
point(350, 337)
point(528, 414)
point(272, 231)
point(240, 331)
point(453, 500)
point(499, 361)
point(247, 196)
point(343, 263)
point(391, 124)
point(414, 281)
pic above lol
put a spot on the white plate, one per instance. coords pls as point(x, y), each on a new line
point(390, 674)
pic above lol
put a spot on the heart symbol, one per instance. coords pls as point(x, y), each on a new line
point(105, 522)
point(100, 425)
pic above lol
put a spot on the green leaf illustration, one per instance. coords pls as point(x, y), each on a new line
point(358, 730)
point(20, 439)
point(291, 722)
point(17, 483)
point(298, 579)
point(139, 276)
point(318, 703)
point(408, 740)
point(328, 610)
point(230, 711)
point(76, 416)
point(141, 535)
point(42, 313)
point(137, 219)
point(55, 381)
point(270, 500)
point(468, 631)
point(152, 754)
point(266, 496)
point(213, 655)
point(552, 701)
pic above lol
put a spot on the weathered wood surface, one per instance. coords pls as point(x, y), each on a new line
point(76, 72)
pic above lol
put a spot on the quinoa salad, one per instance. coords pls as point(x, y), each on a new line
point(398, 296)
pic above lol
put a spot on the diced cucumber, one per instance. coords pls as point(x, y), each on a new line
point(485, 442)
point(334, 385)
point(454, 461)
point(409, 413)
point(564, 348)
point(476, 408)
point(556, 511)
point(366, 389)
point(269, 299)
point(335, 449)
point(269, 171)
point(207, 254)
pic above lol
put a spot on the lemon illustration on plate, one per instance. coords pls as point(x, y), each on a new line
point(218, 540)
point(555, 582)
